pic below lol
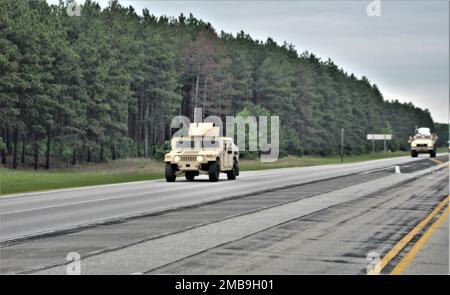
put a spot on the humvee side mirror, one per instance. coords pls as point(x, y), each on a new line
point(166, 146)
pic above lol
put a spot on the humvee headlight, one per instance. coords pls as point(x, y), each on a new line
point(199, 158)
point(177, 159)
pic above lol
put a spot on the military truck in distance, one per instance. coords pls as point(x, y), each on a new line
point(202, 151)
point(423, 142)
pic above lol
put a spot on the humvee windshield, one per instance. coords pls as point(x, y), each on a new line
point(420, 136)
point(183, 143)
point(210, 143)
point(197, 142)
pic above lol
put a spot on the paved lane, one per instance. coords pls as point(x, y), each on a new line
point(433, 257)
point(324, 227)
point(336, 240)
point(36, 213)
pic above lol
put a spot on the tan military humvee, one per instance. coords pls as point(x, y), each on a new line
point(423, 142)
point(202, 151)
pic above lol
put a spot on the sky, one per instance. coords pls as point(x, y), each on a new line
point(404, 50)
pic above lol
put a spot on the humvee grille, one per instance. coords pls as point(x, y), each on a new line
point(188, 158)
point(422, 145)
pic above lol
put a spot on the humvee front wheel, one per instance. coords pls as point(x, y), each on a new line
point(414, 154)
point(233, 172)
point(170, 173)
point(189, 175)
point(214, 170)
point(433, 153)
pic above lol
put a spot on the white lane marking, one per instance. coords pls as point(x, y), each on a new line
point(376, 170)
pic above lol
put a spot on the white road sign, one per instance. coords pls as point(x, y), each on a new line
point(379, 136)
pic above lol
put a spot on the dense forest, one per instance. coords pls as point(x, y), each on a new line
point(106, 84)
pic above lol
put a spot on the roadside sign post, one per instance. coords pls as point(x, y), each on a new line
point(342, 145)
point(383, 137)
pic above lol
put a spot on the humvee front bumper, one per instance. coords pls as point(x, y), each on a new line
point(422, 149)
point(190, 162)
point(188, 166)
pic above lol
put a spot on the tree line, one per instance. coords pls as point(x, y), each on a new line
point(106, 84)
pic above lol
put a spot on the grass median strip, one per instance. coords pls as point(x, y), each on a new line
point(27, 181)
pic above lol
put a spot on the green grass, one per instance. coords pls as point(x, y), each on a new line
point(292, 161)
point(27, 181)
point(18, 181)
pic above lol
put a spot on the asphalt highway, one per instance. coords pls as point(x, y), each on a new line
point(321, 219)
point(36, 213)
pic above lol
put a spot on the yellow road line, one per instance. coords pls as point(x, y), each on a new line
point(406, 239)
point(439, 162)
point(403, 264)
